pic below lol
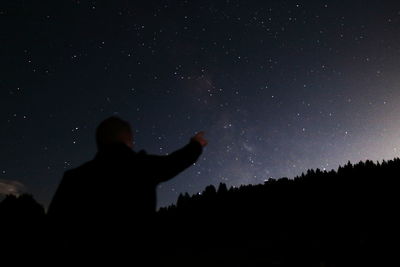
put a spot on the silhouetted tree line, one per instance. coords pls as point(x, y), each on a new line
point(346, 217)
point(320, 218)
point(22, 226)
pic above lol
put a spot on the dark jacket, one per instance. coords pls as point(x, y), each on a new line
point(114, 194)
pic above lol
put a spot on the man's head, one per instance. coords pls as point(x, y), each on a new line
point(113, 130)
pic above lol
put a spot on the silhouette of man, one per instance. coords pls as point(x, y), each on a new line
point(110, 201)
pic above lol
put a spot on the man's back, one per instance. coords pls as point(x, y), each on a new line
point(112, 198)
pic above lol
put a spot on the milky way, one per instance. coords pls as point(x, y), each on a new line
point(278, 86)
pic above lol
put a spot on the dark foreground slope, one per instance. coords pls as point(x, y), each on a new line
point(338, 218)
point(346, 217)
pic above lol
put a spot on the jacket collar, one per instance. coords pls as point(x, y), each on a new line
point(113, 150)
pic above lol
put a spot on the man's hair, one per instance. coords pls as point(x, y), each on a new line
point(110, 129)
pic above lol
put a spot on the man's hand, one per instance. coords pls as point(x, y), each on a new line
point(199, 138)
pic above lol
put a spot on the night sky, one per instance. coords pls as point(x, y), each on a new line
point(278, 86)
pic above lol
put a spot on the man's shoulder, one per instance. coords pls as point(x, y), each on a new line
point(141, 153)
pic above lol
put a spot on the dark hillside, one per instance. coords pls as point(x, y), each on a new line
point(343, 217)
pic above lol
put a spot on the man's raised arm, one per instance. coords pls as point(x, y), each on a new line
point(166, 167)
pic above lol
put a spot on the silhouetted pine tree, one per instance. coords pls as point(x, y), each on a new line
point(319, 218)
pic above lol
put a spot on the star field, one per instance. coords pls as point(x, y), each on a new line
point(278, 86)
